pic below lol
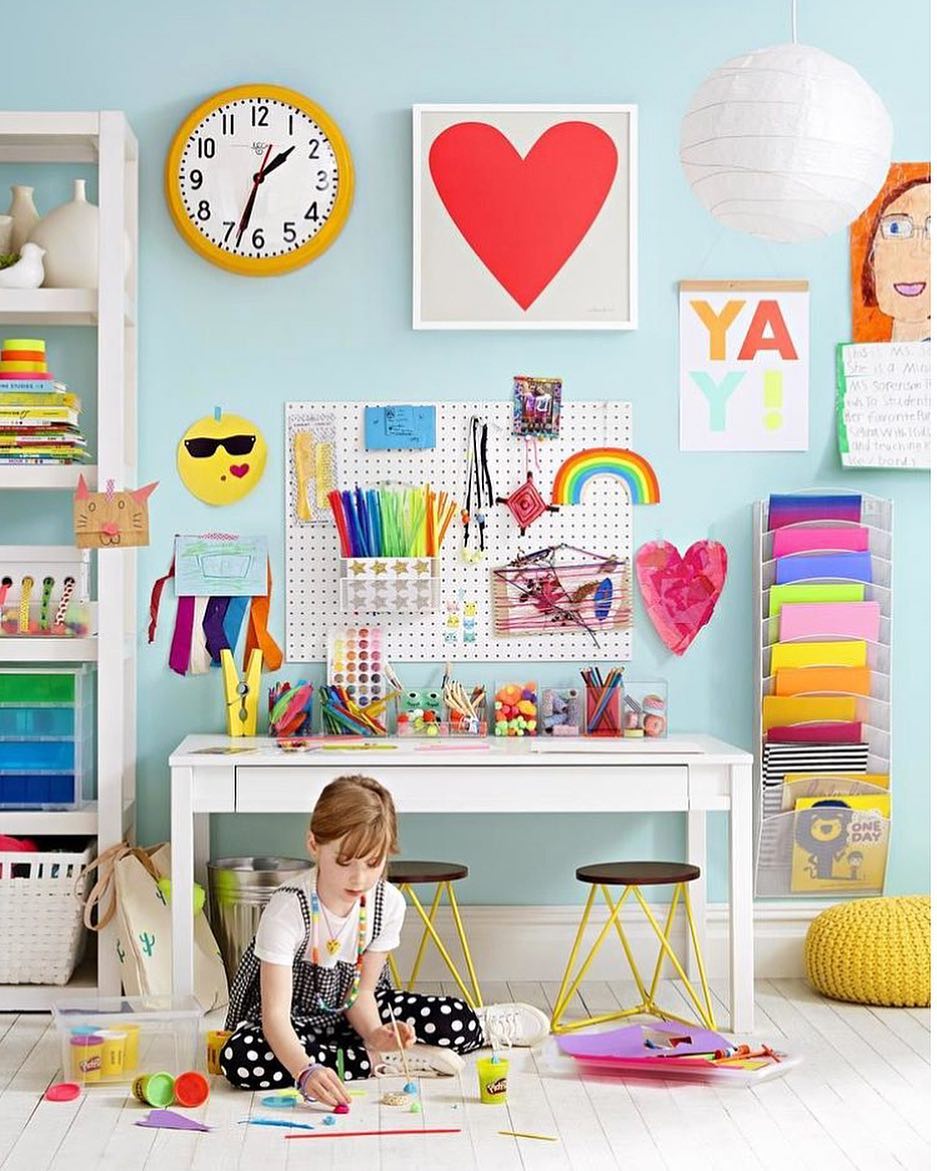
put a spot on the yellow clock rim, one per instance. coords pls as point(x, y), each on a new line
point(272, 265)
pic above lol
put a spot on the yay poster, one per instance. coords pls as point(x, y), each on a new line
point(744, 365)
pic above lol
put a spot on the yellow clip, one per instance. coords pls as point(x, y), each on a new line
point(241, 695)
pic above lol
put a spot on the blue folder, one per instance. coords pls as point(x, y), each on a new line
point(805, 566)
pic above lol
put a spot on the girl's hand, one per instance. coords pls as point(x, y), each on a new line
point(383, 1039)
point(324, 1085)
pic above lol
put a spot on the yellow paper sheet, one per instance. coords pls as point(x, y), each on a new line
point(849, 653)
point(849, 591)
point(782, 710)
point(883, 780)
point(805, 680)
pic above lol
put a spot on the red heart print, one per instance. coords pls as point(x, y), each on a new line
point(239, 470)
point(680, 593)
point(523, 217)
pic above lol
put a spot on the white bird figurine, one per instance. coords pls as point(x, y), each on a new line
point(28, 272)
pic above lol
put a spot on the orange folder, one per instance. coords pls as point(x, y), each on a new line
point(802, 680)
point(781, 710)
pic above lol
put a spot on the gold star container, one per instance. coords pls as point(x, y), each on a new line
point(389, 585)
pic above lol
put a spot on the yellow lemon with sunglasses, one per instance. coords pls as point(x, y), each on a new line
point(221, 458)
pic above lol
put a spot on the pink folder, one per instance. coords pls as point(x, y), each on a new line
point(818, 619)
point(827, 732)
point(849, 538)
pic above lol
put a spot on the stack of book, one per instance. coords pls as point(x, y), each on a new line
point(38, 415)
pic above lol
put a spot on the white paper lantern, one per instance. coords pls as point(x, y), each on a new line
point(788, 143)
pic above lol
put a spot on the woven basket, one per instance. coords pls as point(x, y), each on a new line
point(41, 933)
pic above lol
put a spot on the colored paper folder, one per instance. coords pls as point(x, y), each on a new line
point(804, 566)
point(781, 710)
point(810, 680)
point(820, 537)
point(848, 619)
point(818, 732)
point(818, 654)
point(882, 780)
point(793, 509)
point(846, 591)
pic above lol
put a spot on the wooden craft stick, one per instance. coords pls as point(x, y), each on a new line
point(379, 1133)
point(403, 1056)
point(547, 1138)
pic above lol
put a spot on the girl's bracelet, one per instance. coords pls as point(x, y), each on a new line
point(303, 1075)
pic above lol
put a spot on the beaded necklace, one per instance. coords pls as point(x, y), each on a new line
point(362, 942)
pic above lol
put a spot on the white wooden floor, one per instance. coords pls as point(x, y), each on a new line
point(859, 1100)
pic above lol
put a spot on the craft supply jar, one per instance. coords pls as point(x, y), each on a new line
point(492, 1080)
point(421, 712)
point(604, 711)
point(460, 722)
point(516, 708)
point(644, 709)
point(561, 711)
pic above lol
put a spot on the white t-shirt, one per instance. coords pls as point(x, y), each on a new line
point(281, 930)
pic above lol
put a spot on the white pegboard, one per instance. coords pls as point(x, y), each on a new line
point(602, 525)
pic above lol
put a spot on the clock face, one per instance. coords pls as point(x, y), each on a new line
point(259, 180)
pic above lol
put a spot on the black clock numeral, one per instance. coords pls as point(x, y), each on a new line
point(195, 178)
point(289, 231)
point(259, 115)
point(258, 238)
point(290, 125)
point(206, 148)
point(204, 210)
point(228, 225)
point(314, 148)
point(313, 212)
point(322, 180)
point(227, 123)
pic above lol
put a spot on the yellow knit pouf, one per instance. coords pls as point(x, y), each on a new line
point(872, 951)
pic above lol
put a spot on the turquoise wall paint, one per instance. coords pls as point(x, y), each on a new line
point(340, 328)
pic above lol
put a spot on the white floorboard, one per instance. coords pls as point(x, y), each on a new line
point(859, 1100)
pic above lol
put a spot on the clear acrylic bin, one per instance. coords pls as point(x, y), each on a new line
point(644, 708)
point(106, 1041)
point(561, 711)
point(516, 707)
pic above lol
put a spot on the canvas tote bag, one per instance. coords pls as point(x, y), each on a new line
point(127, 891)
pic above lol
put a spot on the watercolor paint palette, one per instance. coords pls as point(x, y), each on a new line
point(356, 662)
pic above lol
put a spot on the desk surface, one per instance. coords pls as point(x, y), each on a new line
point(207, 751)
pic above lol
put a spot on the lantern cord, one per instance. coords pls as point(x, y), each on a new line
point(794, 21)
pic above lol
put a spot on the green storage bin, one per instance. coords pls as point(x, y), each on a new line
point(37, 687)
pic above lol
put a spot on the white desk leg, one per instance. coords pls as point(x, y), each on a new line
point(696, 855)
point(202, 851)
point(183, 849)
point(741, 902)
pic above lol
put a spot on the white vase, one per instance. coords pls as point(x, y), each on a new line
point(25, 216)
point(6, 234)
point(69, 234)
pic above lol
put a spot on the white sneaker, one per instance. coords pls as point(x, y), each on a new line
point(422, 1061)
point(517, 1025)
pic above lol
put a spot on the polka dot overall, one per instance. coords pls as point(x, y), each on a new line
point(247, 1060)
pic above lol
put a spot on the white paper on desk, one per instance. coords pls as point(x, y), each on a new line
point(612, 745)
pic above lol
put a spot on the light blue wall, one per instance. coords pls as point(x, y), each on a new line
point(340, 328)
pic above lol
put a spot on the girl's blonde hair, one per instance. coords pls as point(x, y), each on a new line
point(360, 813)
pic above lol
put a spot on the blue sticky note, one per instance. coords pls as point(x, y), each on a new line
point(221, 566)
point(804, 567)
point(399, 428)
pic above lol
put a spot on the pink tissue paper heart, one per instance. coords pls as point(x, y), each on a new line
point(681, 592)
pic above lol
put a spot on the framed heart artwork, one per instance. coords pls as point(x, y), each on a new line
point(525, 217)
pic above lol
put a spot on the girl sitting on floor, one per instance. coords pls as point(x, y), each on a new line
point(315, 981)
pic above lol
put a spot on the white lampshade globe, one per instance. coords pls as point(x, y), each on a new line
point(788, 143)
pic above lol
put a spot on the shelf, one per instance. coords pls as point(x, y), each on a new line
point(36, 477)
point(48, 650)
point(82, 821)
point(41, 997)
point(53, 307)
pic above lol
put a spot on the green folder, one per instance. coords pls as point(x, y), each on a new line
point(850, 591)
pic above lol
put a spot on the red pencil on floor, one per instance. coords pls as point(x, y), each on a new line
point(379, 1133)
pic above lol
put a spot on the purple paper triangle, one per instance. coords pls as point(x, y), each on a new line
point(170, 1120)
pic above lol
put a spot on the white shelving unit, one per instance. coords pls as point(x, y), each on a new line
point(103, 138)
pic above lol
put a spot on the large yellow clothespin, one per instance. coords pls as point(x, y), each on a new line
point(241, 694)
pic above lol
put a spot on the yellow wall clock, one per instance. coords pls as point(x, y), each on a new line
point(259, 179)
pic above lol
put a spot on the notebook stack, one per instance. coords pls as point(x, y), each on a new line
point(38, 415)
point(823, 564)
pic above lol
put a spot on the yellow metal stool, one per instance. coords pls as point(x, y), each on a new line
point(632, 876)
point(406, 875)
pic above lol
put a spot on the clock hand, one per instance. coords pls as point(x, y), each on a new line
point(249, 206)
point(278, 161)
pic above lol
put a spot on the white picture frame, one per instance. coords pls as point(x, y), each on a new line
point(470, 271)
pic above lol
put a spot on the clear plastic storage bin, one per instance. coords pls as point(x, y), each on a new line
point(112, 1040)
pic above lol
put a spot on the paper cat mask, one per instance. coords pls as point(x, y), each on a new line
point(111, 519)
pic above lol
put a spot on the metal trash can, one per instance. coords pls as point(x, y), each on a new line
point(238, 891)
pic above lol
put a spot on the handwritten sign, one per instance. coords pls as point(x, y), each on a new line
point(744, 356)
point(883, 404)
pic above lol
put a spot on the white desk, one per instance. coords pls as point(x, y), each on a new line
point(683, 774)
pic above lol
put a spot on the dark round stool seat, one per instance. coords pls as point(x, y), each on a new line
point(637, 873)
point(414, 872)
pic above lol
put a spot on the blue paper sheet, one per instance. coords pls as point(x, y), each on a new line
point(221, 566)
point(399, 428)
point(805, 566)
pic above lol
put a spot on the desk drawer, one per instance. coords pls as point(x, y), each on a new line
point(514, 788)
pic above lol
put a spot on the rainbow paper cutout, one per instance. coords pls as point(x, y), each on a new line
point(575, 472)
